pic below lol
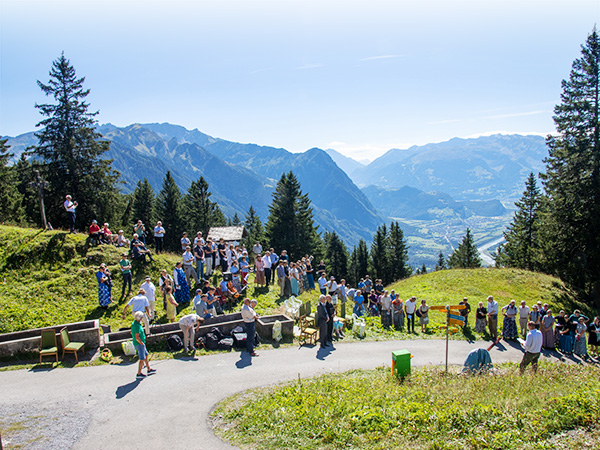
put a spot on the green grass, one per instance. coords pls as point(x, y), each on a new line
point(373, 410)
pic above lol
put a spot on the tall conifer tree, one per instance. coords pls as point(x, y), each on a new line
point(143, 205)
point(336, 256)
point(466, 255)
point(380, 257)
point(70, 151)
point(359, 263)
point(199, 210)
point(572, 177)
point(255, 229)
point(169, 212)
point(398, 253)
point(11, 210)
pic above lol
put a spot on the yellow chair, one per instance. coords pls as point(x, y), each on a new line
point(48, 346)
point(69, 346)
point(307, 332)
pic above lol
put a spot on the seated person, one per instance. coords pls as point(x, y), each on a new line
point(201, 306)
point(106, 236)
point(94, 232)
point(121, 240)
point(139, 250)
point(211, 301)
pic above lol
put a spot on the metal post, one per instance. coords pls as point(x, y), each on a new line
point(447, 333)
point(40, 184)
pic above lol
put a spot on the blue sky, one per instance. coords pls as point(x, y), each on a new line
point(357, 76)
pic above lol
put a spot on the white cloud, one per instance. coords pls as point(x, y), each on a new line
point(373, 58)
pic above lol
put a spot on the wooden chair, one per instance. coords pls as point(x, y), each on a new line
point(69, 346)
point(307, 332)
point(310, 317)
point(48, 346)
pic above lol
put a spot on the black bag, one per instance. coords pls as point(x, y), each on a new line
point(175, 343)
point(225, 344)
point(239, 340)
point(217, 333)
point(418, 312)
point(211, 341)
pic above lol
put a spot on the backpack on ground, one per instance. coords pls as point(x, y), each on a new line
point(211, 341)
point(217, 333)
point(175, 343)
point(239, 339)
point(225, 344)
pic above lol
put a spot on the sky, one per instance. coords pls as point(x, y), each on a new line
point(360, 77)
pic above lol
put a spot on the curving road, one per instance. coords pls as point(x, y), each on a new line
point(105, 407)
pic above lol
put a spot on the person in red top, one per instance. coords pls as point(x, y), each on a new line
point(94, 232)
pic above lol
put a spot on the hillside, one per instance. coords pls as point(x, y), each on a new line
point(48, 278)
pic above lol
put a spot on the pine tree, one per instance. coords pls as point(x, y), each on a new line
point(200, 211)
point(466, 256)
point(359, 263)
point(522, 245)
point(380, 260)
point(336, 256)
point(143, 205)
point(572, 178)
point(255, 229)
point(70, 151)
point(423, 269)
point(169, 206)
point(291, 225)
point(441, 262)
point(235, 221)
point(397, 253)
point(11, 209)
point(29, 194)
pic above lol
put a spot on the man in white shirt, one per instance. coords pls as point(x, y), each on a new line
point(409, 307)
point(249, 316)
point(267, 264)
point(159, 236)
point(533, 347)
point(150, 289)
point(332, 290)
point(322, 281)
point(185, 242)
point(523, 318)
point(189, 325)
point(492, 313)
point(140, 303)
point(188, 267)
point(70, 208)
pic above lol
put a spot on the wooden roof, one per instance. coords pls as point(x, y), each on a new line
point(230, 234)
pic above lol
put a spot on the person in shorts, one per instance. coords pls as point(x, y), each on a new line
point(139, 342)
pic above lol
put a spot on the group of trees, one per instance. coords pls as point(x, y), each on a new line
point(558, 231)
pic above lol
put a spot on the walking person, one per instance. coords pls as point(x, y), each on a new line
point(533, 347)
point(249, 316)
point(139, 342)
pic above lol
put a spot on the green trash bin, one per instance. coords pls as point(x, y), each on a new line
point(401, 363)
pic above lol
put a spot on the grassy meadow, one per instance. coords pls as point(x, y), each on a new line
point(558, 408)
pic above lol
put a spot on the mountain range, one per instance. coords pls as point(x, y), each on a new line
point(435, 190)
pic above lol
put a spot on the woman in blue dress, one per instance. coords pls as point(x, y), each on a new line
point(182, 290)
point(103, 287)
point(580, 343)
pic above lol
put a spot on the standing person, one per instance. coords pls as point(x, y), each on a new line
point(310, 274)
point(257, 250)
point(189, 324)
point(172, 305)
point(293, 275)
point(523, 318)
point(492, 314)
point(159, 236)
point(465, 311)
point(103, 287)
point(398, 313)
point(259, 278)
point(424, 319)
point(481, 318)
point(139, 303)
point(150, 289)
point(368, 285)
point(125, 266)
point(580, 345)
point(70, 207)
point(267, 267)
point(323, 283)
point(533, 347)
point(409, 307)
point(274, 264)
point(386, 309)
point(139, 341)
point(546, 327)
point(287, 290)
point(331, 313)
point(509, 325)
point(342, 289)
point(140, 229)
point(188, 266)
point(560, 324)
point(249, 316)
point(281, 278)
point(199, 257)
point(182, 290)
point(535, 316)
point(332, 290)
point(222, 250)
point(594, 340)
point(208, 258)
point(185, 241)
point(323, 320)
point(164, 281)
point(245, 269)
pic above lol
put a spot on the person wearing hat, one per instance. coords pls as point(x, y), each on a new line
point(70, 208)
point(150, 289)
point(139, 303)
point(94, 232)
point(125, 266)
point(200, 304)
point(139, 342)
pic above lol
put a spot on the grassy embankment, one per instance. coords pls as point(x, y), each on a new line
point(49, 278)
point(559, 408)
